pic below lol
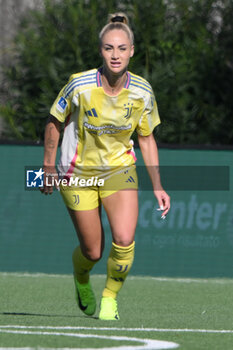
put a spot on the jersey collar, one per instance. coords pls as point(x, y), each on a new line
point(99, 80)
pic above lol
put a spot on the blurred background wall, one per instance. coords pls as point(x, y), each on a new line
point(195, 240)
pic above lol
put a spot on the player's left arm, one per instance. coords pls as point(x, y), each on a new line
point(149, 151)
point(51, 139)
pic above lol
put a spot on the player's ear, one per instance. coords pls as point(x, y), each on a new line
point(132, 51)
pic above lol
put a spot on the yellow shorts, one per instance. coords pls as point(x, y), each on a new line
point(76, 196)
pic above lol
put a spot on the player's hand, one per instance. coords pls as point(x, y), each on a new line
point(50, 180)
point(163, 201)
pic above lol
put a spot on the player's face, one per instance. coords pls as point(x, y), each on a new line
point(116, 50)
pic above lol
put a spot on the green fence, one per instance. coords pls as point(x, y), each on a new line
point(195, 240)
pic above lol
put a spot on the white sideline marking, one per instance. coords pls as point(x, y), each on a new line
point(159, 279)
point(146, 344)
point(33, 275)
point(185, 280)
point(179, 330)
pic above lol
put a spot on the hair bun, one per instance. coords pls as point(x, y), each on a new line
point(118, 18)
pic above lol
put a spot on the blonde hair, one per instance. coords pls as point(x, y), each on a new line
point(117, 20)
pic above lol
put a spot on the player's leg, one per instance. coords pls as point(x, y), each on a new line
point(90, 233)
point(122, 211)
point(88, 226)
point(84, 209)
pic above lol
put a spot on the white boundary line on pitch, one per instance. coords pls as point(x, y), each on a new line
point(178, 330)
point(145, 344)
point(158, 279)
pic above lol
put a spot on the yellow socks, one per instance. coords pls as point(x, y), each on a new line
point(118, 266)
point(119, 263)
point(82, 266)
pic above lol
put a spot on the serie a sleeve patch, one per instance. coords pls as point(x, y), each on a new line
point(61, 105)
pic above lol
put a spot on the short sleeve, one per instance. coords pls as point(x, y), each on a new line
point(62, 106)
point(150, 117)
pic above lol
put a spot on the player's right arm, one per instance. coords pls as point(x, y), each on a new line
point(51, 140)
point(59, 111)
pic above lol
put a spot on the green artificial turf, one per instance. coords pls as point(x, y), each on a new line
point(39, 311)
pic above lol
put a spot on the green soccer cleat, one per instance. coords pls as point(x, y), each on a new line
point(85, 297)
point(108, 309)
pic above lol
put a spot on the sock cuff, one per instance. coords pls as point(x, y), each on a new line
point(121, 252)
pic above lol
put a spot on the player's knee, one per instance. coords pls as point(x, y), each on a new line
point(93, 254)
point(123, 241)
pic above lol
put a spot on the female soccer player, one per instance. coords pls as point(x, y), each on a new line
point(101, 108)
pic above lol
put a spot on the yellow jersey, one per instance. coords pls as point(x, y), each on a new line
point(98, 127)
